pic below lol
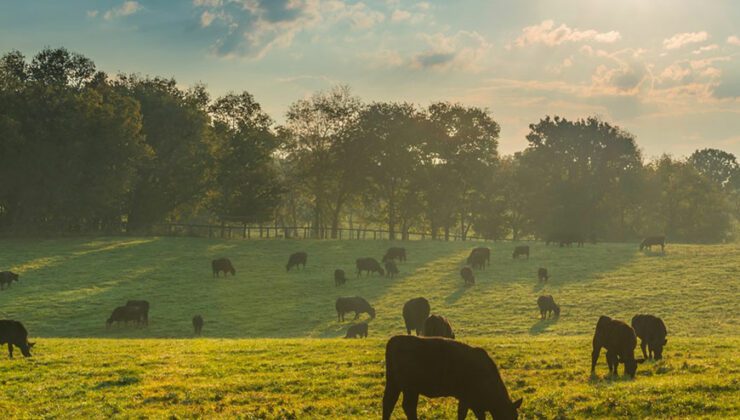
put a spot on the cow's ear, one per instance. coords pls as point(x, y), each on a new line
point(31, 345)
point(665, 341)
point(517, 403)
point(640, 361)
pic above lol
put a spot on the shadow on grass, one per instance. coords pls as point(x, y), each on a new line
point(122, 381)
point(457, 294)
point(541, 326)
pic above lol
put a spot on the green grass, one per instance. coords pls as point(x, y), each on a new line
point(261, 357)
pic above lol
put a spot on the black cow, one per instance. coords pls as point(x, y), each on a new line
point(548, 307)
point(371, 265)
point(521, 250)
point(357, 331)
point(652, 332)
point(395, 253)
point(7, 277)
point(198, 324)
point(354, 304)
point(222, 264)
point(653, 240)
point(467, 274)
point(485, 252)
point(339, 277)
point(415, 312)
point(143, 307)
point(477, 260)
point(438, 326)
point(13, 333)
point(542, 275)
point(438, 367)
point(391, 269)
point(619, 340)
point(296, 259)
point(124, 314)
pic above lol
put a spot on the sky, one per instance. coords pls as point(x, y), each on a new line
point(666, 71)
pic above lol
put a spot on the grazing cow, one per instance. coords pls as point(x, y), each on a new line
point(354, 304)
point(357, 331)
point(339, 277)
point(651, 331)
point(565, 239)
point(198, 324)
point(437, 367)
point(296, 259)
point(485, 252)
point(125, 314)
point(542, 275)
point(143, 307)
point(395, 253)
point(390, 269)
point(477, 260)
point(653, 240)
point(415, 312)
point(619, 340)
point(438, 326)
point(548, 307)
point(13, 333)
point(521, 250)
point(371, 265)
point(467, 274)
point(222, 264)
point(7, 277)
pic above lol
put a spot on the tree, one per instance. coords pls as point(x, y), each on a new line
point(246, 185)
point(719, 166)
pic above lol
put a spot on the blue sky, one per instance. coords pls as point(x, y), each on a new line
point(666, 71)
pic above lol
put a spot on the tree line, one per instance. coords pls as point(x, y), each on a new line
point(85, 152)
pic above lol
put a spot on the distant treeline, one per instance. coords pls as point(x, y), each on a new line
point(84, 152)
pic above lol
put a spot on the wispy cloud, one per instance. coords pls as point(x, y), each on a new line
point(126, 9)
point(733, 40)
point(547, 34)
point(705, 48)
point(679, 40)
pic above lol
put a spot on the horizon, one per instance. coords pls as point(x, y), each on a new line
point(673, 84)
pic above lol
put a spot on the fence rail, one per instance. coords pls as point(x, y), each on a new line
point(295, 232)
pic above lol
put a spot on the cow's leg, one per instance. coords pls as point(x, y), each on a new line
point(594, 358)
point(390, 397)
point(643, 344)
point(357, 315)
point(410, 401)
point(10, 350)
point(480, 413)
point(613, 361)
point(462, 410)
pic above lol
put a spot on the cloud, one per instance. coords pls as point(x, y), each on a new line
point(464, 50)
point(705, 48)
point(733, 40)
point(400, 15)
point(206, 18)
point(679, 40)
point(92, 13)
point(126, 9)
point(547, 34)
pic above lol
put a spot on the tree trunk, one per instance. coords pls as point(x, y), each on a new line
point(392, 214)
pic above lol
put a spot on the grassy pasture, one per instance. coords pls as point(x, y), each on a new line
point(269, 347)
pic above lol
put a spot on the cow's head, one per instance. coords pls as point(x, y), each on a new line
point(233, 271)
point(657, 348)
point(557, 310)
point(26, 349)
point(287, 267)
point(382, 272)
point(14, 276)
point(630, 366)
point(371, 312)
point(508, 410)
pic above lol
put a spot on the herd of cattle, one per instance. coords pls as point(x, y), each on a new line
point(431, 363)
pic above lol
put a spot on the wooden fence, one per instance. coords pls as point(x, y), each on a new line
point(291, 232)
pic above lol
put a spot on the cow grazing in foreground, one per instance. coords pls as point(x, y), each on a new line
point(395, 253)
point(438, 326)
point(222, 265)
point(7, 277)
point(296, 259)
point(143, 308)
point(542, 275)
point(339, 277)
point(198, 324)
point(477, 261)
point(415, 312)
point(371, 265)
point(521, 250)
point(484, 252)
point(357, 331)
point(548, 307)
point(467, 274)
point(653, 240)
point(354, 304)
point(124, 314)
point(13, 333)
point(652, 332)
point(619, 340)
point(391, 269)
point(438, 367)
